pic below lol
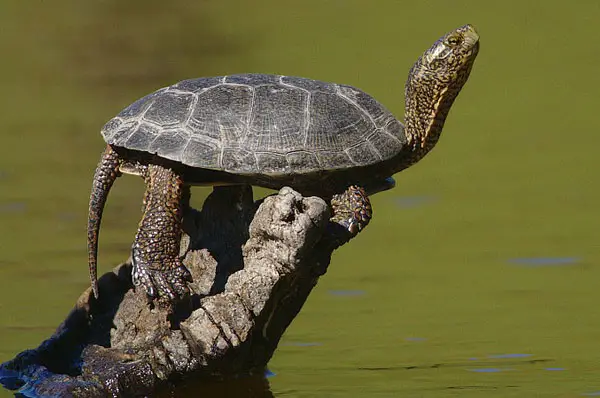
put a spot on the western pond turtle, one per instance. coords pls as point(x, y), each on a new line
point(325, 139)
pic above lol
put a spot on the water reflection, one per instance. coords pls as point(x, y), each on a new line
point(250, 387)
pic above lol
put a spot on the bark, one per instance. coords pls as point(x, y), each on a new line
point(253, 264)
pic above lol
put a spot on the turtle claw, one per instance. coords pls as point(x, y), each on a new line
point(352, 211)
point(177, 279)
point(170, 283)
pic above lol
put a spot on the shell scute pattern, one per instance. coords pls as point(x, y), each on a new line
point(197, 85)
point(334, 159)
point(309, 85)
point(277, 119)
point(239, 160)
point(169, 145)
point(259, 123)
point(170, 109)
point(376, 113)
point(208, 121)
point(364, 153)
point(272, 163)
point(302, 161)
point(126, 129)
point(335, 124)
point(126, 124)
point(141, 105)
point(205, 153)
point(143, 137)
point(251, 79)
point(396, 130)
point(385, 144)
point(113, 126)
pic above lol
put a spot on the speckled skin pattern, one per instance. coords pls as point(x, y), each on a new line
point(352, 209)
point(435, 81)
point(271, 131)
point(155, 253)
point(105, 175)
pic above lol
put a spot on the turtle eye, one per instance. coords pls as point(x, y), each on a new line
point(453, 41)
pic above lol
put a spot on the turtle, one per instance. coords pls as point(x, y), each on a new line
point(331, 140)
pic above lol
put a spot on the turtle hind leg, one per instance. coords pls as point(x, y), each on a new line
point(104, 177)
point(351, 213)
point(157, 267)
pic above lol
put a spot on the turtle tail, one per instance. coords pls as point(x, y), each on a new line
point(104, 177)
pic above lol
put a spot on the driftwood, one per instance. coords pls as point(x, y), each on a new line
point(253, 264)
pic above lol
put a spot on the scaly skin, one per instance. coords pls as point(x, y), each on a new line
point(157, 267)
point(156, 264)
point(352, 212)
point(352, 209)
point(155, 252)
point(104, 177)
point(433, 84)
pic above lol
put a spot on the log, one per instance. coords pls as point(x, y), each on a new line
point(253, 266)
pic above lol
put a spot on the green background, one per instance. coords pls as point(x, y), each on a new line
point(512, 177)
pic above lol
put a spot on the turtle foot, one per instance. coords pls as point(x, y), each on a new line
point(168, 282)
point(351, 210)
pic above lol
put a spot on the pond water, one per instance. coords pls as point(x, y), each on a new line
point(478, 275)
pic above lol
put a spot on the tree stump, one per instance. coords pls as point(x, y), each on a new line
point(253, 265)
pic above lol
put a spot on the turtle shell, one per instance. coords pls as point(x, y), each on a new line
point(259, 124)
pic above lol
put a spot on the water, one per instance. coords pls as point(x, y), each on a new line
point(486, 247)
point(545, 261)
point(347, 293)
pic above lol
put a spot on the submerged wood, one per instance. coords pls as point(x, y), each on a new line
point(253, 264)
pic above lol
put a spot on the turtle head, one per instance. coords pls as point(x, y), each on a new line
point(451, 57)
point(434, 82)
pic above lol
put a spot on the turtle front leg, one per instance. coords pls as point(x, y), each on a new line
point(351, 213)
point(157, 267)
point(352, 209)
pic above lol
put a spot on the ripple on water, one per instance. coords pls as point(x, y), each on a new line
point(301, 344)
point(489, 370)
point(347, 292)
point(544, 261)
point(509, 356)
point(414, 201)
point(13, 207)
point(29, 328)
point(415, 339)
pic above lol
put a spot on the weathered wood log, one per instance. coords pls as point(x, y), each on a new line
point(253, 264)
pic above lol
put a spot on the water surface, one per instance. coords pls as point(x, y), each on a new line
point(513, 177)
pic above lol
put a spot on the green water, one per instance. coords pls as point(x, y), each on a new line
point(434, 291)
